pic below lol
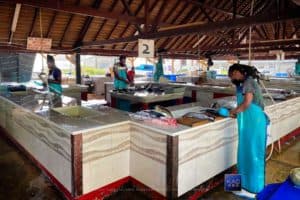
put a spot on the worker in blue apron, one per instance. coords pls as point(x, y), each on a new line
point(120, 74)
point(252, 129)
point(54, 79)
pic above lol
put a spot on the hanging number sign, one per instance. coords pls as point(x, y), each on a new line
point(146, 48)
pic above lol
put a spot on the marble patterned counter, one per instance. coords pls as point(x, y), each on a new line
point(91, 157)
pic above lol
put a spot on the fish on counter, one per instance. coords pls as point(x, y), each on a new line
point(200, 116)
point(163, 110)
point(154, 117)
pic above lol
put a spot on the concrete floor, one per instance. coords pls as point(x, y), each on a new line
point(20, 179)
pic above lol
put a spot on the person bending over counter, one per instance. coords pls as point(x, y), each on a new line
point(252, 129)
point(54, 76)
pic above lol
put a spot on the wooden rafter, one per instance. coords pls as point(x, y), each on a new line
point(264, 31)
point(210, 27)
point(51, 24)
point(183, 39)
point(147, 14)
point(206, 14)
point(267, 43)
point(283, 30)
point(146, 5)
point(14, 23)
point(127, 26)
point(262, 37)
point(195, 39)
point(36, 11)
point(212, 8)
point(163, 45)
point(86, 24)
point(78, 10)
point(168, 15)
point(117, 23)
point(159, 15)
point(66, 29)
point(295, 31)
point(217, 17)
point(105, 20)
point(68, 25)
point(190, 15)
point(127, 7)
point(150, 11)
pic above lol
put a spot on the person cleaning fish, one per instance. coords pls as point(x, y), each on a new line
point(252, 129)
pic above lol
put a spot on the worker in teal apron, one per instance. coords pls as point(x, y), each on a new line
point(120, 74)
point(54, 80)
point(252, 129)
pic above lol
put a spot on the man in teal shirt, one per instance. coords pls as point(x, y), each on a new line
point(120, 74)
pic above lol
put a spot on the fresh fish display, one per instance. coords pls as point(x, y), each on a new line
point(199, 115)
point(153, 117)
point(163, 110)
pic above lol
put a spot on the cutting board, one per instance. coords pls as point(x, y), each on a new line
point(191, 121)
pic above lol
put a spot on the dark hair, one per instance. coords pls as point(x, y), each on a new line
point(246, 70)
point(50, 59)
point(122, 57)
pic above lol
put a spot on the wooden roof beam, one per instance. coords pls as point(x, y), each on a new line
point(14, 22)
point(159, 15)
point(127, 7)
point(87, 24)
point(78, 10)
point(124, 31)
point(206, 6)
point(164, 44)
point(51, 24)
point(268, 43)
point(264, 18)
point(117, 23)
point(68, 25)
point(36, 11)
point(105, 20)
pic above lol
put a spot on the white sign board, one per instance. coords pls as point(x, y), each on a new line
point(40, 44)
point(146, 48)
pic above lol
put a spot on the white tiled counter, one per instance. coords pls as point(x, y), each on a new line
point(90, 158)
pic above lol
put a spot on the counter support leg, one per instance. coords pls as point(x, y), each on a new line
point(194, 96)
point(113, 102)
point(145, 106)
point(172, 167)
point(76, 150)
point(179, 101)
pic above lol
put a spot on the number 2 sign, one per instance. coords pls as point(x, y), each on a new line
point(146, 48)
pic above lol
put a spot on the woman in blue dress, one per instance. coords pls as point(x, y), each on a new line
point(252, 129)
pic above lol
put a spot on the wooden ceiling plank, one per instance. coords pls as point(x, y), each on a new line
point(164, 44)
point(124, 31)
point(36, 11)
point(51, 24)
point(207, 6)
point(78, 10)
point(14, 22)
point(68, 25)
point(86, 25)
point(159, 15)
point(105, 20)
point(135, 45)
point(117, 23)
point(262, 37)
point(183, 21)
point(127, 7)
